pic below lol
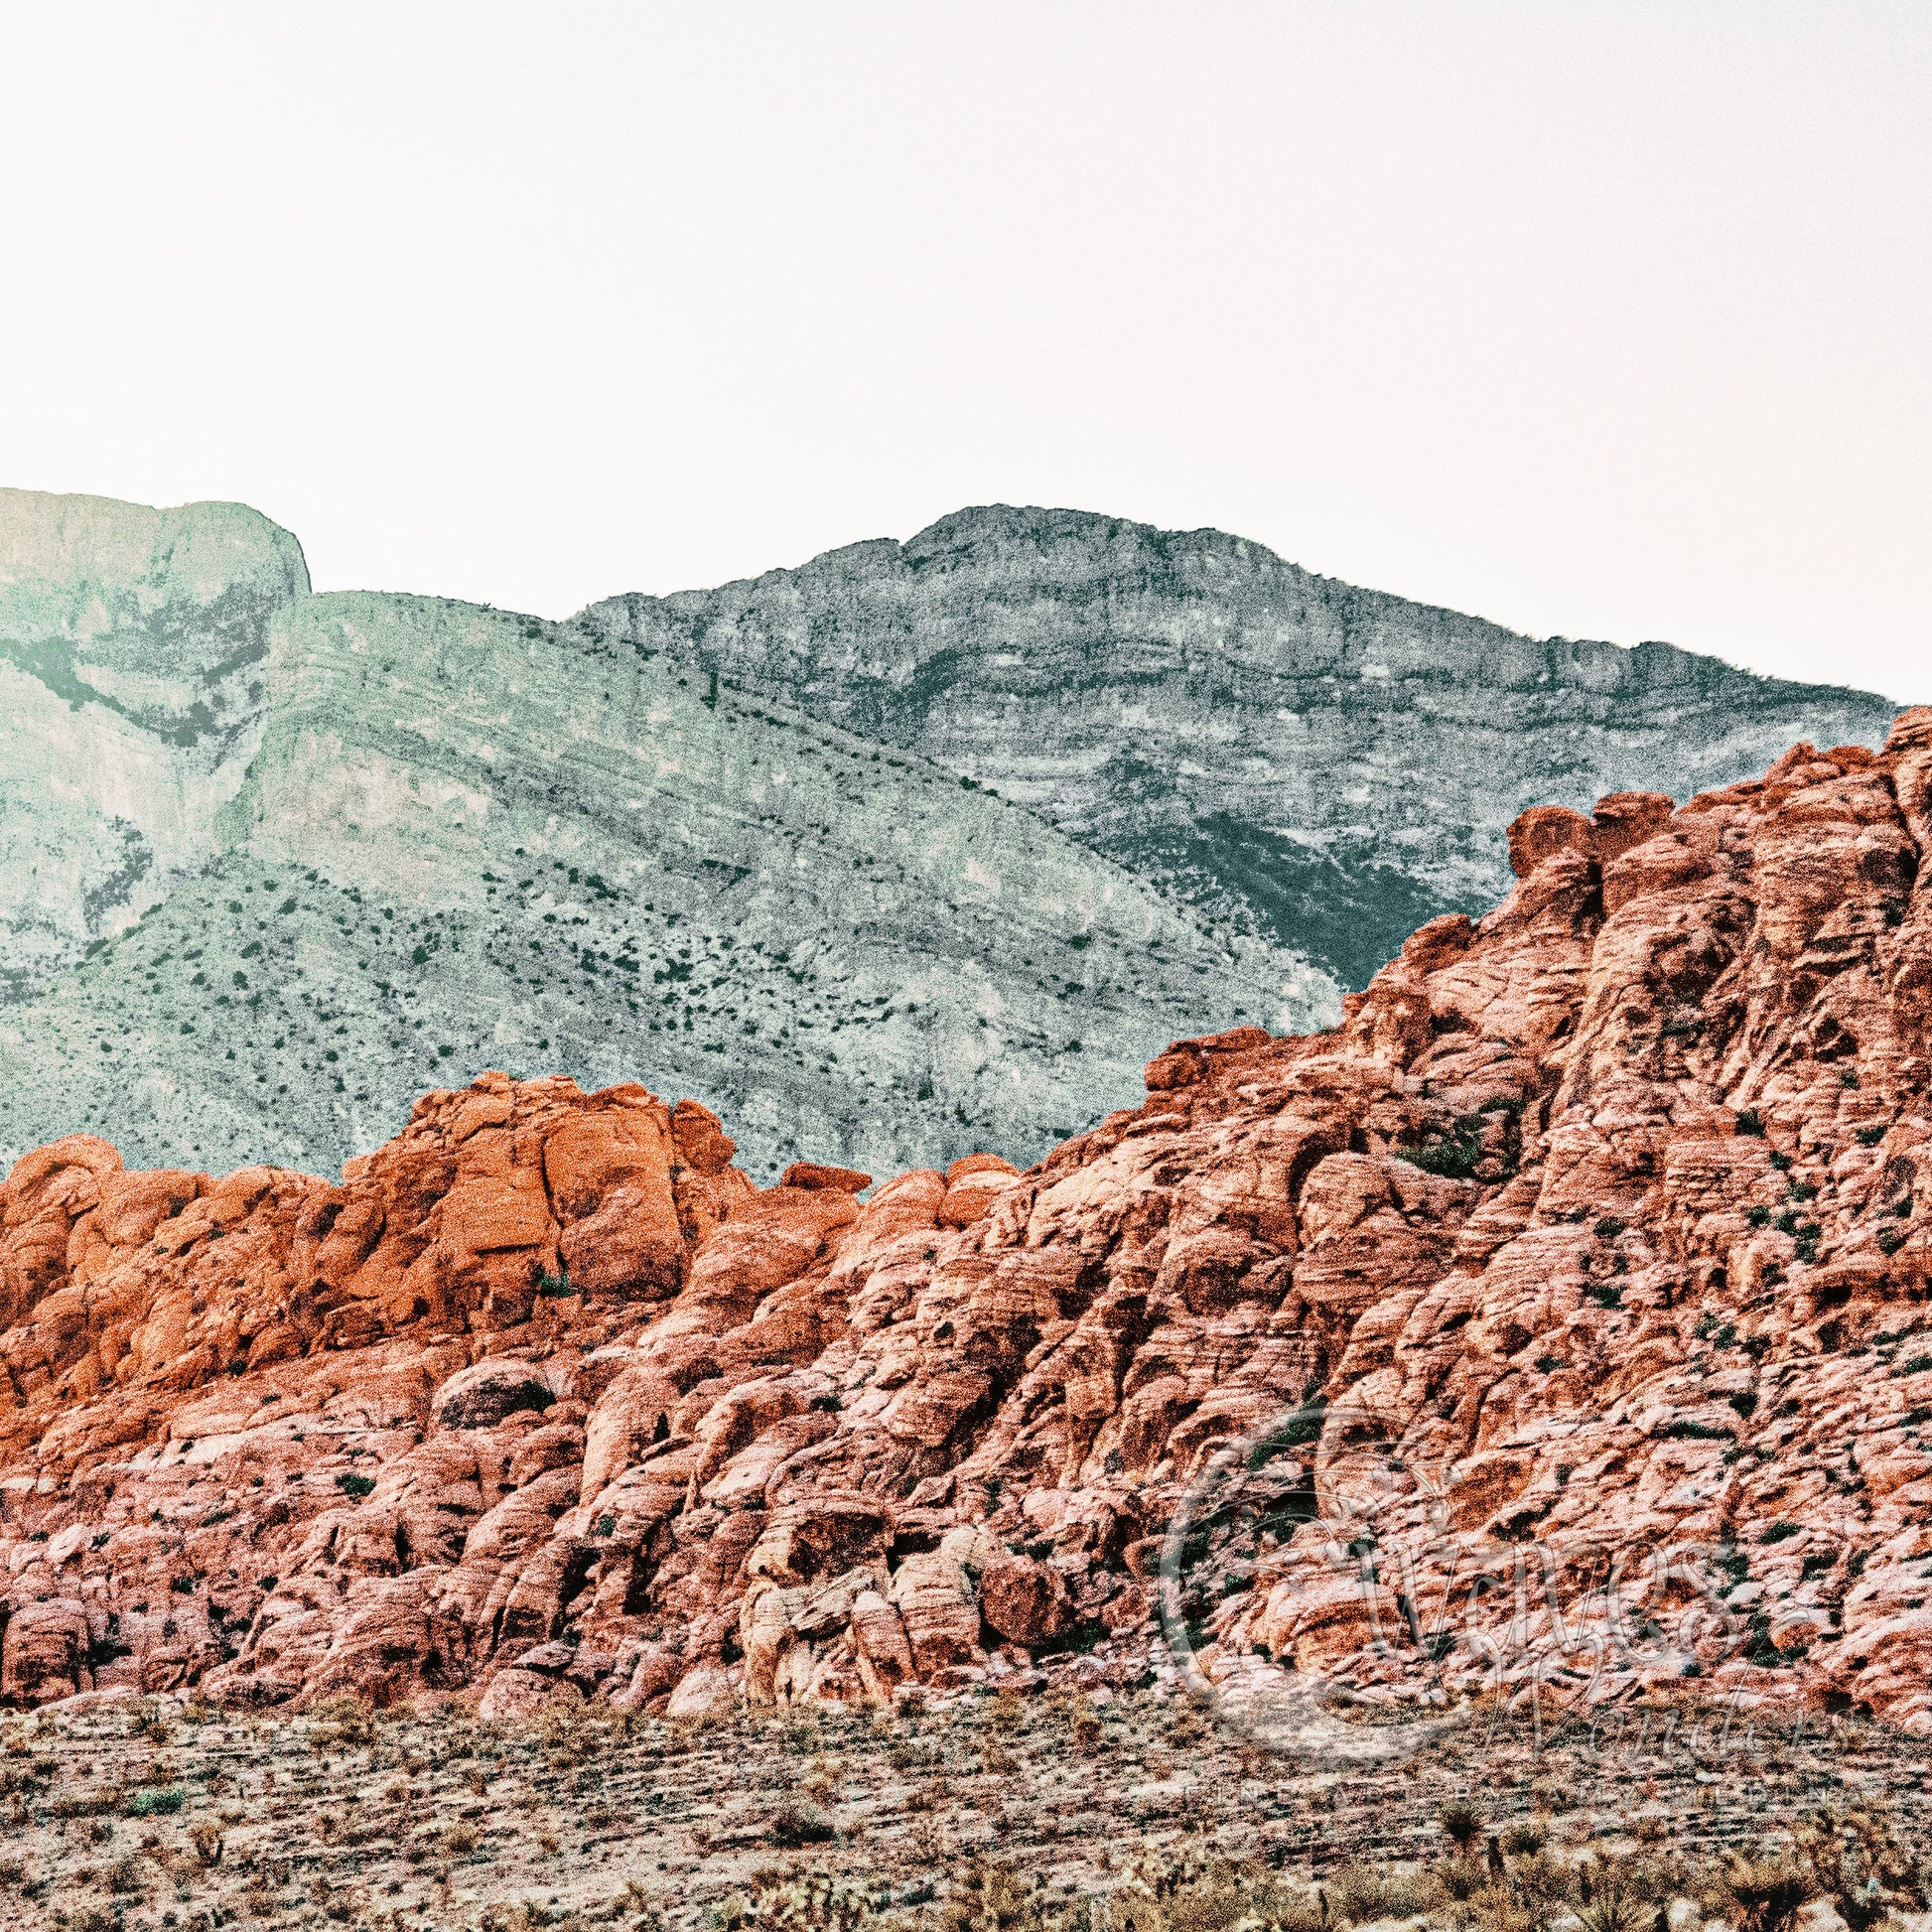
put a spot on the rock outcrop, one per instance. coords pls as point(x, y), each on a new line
point(132, 692)
point(1320, 765)
point(1610, 1207)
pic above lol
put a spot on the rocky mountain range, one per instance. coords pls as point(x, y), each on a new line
point(922, 848)
point(1324, 766)
point(421, 836)
point(1557, 1325)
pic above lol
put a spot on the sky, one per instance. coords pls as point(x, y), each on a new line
point(1605, 319)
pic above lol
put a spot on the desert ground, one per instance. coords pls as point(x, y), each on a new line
point(1087, 1811)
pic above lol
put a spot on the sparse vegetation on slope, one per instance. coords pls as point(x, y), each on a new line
point(471, 841)
point(1300, 759)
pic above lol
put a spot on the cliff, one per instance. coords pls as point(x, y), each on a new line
point(132, 643)
point(1594, 1238)
point(471, 840)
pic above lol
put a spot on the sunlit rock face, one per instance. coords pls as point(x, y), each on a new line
point(1325, 766)
point(1608, 1208)
point(132, 689)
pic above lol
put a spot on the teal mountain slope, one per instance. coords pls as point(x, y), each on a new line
point(472, 840)
point(132, 648)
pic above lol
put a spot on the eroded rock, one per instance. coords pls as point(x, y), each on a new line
point(1611, 1207)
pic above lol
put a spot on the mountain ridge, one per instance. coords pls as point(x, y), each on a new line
point(1038, 650)
point(129, 706)
point(1275, 769)
point(463, 829)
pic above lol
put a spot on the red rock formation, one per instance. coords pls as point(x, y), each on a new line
point(1608, 1206)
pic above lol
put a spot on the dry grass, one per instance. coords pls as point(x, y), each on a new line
point(989, 1816)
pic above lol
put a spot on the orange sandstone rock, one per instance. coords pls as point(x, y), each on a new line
point(1614, 1206)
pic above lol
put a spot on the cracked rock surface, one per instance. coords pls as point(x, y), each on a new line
point(1608, 1208)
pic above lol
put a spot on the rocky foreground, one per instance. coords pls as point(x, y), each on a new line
point(1582, 1269)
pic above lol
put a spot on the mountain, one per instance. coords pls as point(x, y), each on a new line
point(132, 643)
point(468, 840)
point(1557, 1325)
point(1321, 765)
point(923, 848)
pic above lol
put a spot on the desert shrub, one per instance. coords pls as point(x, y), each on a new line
point(1502, 1908)
point(1454, 1158)
point(1856, 1860)
point(1523, 1838)
point(1463, 1824)
point(1684, 1429)
point(798, 1821)
point(1762, 1894)
point(1211, 1895)
point(1360, 1893)
point(989, 1896)
point(1088, 1731)
point(1296, 1432)
point(1185, 1727)
point(1454, 1881)
point(1614, 1910)
point(340, 1721)
point(149, 1804)
point(815, 1902)
point(1542, 1874)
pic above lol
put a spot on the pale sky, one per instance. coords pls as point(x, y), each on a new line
point(1605, 319)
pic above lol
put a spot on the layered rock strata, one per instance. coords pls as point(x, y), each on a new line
point(964, 828)
point(1301, 759)
point(132, 692)
point(469, 840)
point(1608, 1208)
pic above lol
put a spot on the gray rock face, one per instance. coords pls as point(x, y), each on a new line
point(1315, 764)
point(132, 688)
point(471, 840)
